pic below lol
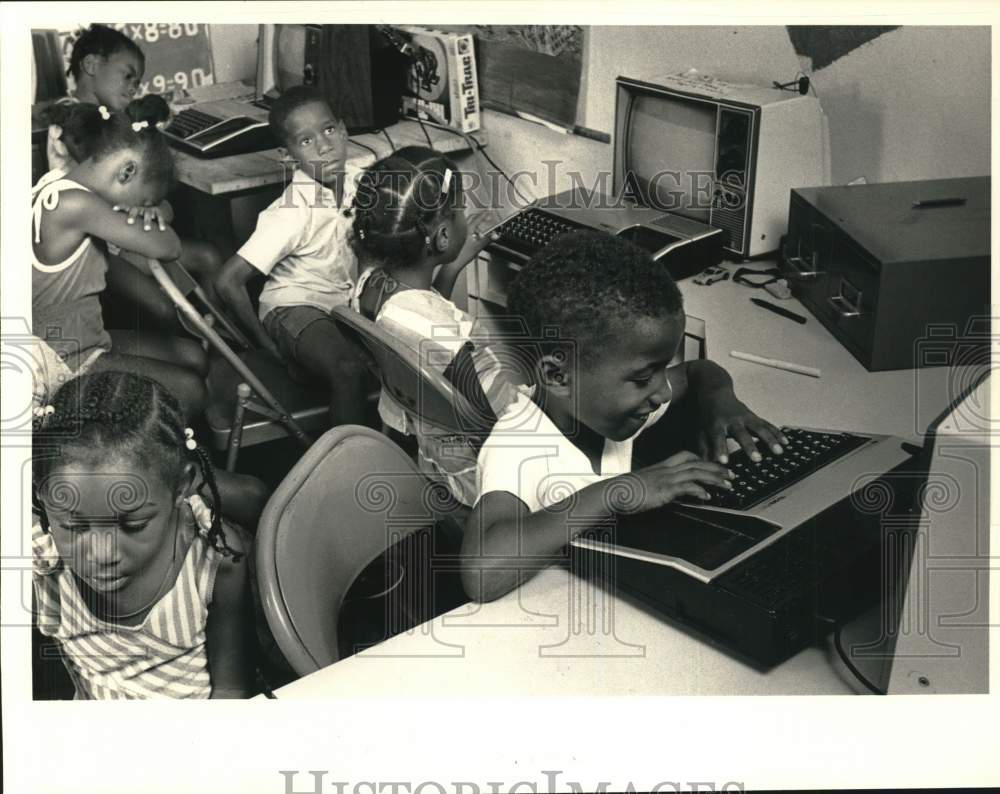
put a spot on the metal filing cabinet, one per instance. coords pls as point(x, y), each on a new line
point(886, 266)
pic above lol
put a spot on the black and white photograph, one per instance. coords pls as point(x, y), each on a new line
point(497, 397)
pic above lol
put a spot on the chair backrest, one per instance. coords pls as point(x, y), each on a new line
point(352, 495)
point(418, 388)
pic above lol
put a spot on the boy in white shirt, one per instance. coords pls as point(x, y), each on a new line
point(600, 382)
point(302, 244)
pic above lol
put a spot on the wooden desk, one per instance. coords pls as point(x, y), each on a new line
point(242, 172)
point(219, 199)
point(560, 635)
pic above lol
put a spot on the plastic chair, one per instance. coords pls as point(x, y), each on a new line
point(350, 497)
point(234, 416)
point(426, 393)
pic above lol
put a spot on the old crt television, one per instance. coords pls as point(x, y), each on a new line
point(724, 154)
point(359, 71)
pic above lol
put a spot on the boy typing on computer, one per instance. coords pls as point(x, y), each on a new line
point(563, 449)
point(301, 244)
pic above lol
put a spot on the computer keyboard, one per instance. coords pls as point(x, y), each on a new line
point(190, 122)
point(207, 135)
point(530, 230)
point(757, 481)
point(782, 570)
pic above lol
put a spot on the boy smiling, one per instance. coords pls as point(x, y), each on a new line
point(567, 440)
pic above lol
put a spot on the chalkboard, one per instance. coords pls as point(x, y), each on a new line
point(178, 54)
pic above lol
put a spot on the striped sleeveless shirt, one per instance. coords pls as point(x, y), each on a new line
point(163, 657)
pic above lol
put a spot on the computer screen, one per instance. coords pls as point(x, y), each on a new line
point(670, 153)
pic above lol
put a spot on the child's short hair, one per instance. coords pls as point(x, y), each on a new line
point(290, 101)
point(584, 283)
point(104, 41)
point(85, 130)
point(397, 199)
point(110, 416)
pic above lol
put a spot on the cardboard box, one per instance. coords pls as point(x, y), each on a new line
point(443, 78)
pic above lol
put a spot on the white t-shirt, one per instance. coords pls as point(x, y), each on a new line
point(528, 456)
point(302, 243)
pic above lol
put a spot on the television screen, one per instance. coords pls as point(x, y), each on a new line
point(289, 47)
point(280, 59)
point(670, 153)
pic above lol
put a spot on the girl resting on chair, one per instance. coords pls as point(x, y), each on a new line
point(107, 66)
point(129, 166)
point(409, 222)
point(135, 575)
point(80, 127)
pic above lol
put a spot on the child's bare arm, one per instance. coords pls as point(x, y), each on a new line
point(229, 633)
point(447, 275)
point(479, 224)
point(159, 216)
point(90, 214)
point(231, 284)
point(721, 413)
point(504, 540)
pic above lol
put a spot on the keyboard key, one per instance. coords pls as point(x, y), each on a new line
point(757, 481)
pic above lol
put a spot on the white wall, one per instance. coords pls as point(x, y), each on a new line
point(913, 104)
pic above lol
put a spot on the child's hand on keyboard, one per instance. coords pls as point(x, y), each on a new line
point(683, 474)
point(724, 416)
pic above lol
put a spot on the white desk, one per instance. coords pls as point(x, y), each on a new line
point(532, 642)
point(846, 397)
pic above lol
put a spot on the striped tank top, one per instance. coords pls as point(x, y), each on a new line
point(163, 657)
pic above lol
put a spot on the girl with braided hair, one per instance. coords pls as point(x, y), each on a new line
point(128, 165)
point(137, 578)
point(410, 234)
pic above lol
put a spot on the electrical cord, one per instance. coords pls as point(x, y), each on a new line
point(364, 146)
point(423, 127)
point(477, 146)
point(839, 646)
point(391, 144)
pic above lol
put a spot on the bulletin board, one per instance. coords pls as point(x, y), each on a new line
point(535, 69)
point(178, 54)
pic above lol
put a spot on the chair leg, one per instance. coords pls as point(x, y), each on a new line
point(219, 344)
point(236, 431)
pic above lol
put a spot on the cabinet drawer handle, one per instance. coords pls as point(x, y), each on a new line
point(797, 265)
point(844, 307)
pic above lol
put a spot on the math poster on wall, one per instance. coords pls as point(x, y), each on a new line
point(178, 54)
